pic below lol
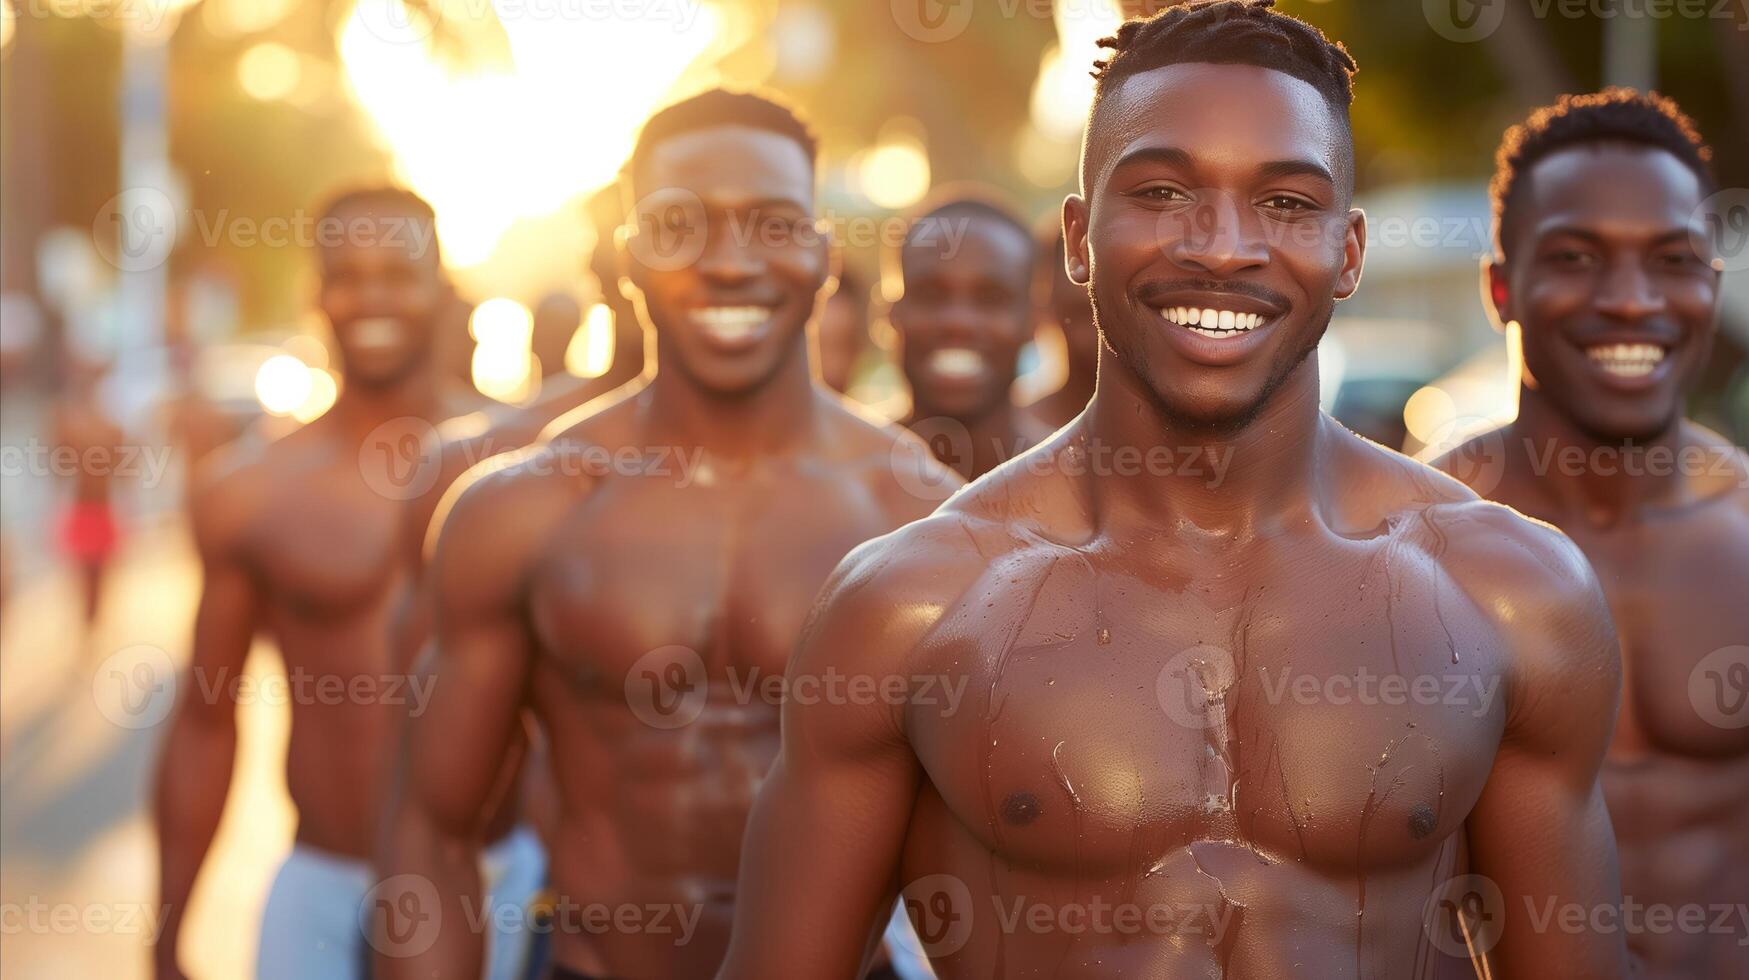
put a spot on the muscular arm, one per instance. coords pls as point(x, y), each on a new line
point(194, 764)
point(1540, 831)
point(824, 837)
point(457, 748)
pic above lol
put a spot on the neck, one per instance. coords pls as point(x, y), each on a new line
point(762, 421)
point(995, 435)
point(1078, 386)
point(1603, 483)
point(363, 408)
point(1229, 483)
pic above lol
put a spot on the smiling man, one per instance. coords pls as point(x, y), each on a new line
point(645, 609)
point(1604, 262)
point(966, 311)
point(1162, 767)
point(299, 540)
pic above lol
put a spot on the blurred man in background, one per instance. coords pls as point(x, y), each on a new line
point(842, 331)
point(300, 539)
point(1065, 306)
point(85, 433)
point(1604, 265)
point(966, 268)
point(623, 576)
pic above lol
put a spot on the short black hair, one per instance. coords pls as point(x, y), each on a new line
point(1613, 115)
point(722, 107)
point(964, 200)
point(1229, 32)
point(370, 198)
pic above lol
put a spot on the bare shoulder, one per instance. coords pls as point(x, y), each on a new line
point(890, 593)
point(233, 484)
point(1717, 468)
point(893, 463)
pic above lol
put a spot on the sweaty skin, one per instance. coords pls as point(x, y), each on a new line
point(965, 314)
point(300, 539)
point(638, 581)
point(1164, 765)
point(1660, 507)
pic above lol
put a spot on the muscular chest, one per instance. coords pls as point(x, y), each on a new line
point(1676, 592)
point(1111, 722)
point(726, 573)
point(326, 545)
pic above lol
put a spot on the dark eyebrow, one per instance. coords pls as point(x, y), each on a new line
point(1169, 156)
point(1295, 168)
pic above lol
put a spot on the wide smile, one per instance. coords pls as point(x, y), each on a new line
point(375, 333)
point(733, 327)
point(956, 364)
point(1629, 366)
point(1216, 323)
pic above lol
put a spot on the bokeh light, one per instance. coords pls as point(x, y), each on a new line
point(269, 71)
point(894, 173)
point(590, 352)
point(282, 384)
point(503, 366)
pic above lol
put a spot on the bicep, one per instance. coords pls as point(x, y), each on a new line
point(476, 670)
point(1541, 831)
point(826, 831)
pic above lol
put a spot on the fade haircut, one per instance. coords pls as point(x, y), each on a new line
point(1620, 116)
point(1230, 32)
point(374, 199)
point(721, 107)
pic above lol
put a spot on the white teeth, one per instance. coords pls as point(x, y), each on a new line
point(376, 331)
point(1213, 323)
point(956, 362)
point(1627, 360)
point(731, 322)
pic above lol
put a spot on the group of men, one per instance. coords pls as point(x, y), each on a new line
point(758, 667)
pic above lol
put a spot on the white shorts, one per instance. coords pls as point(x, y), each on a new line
point(314, 923)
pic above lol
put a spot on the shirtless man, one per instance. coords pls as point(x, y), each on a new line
point(1603, 262)
point(966, 311)
point(639, 579)
point(1155, 773)
point(1065, 306)
point(299, 539)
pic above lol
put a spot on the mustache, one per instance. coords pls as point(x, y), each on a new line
point(1160, 290)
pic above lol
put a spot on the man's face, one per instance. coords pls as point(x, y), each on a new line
point(1216, 234)
point(382, 290)
point(843, 327)
point(965, 313)
point(1617, 309)
point(723, 255)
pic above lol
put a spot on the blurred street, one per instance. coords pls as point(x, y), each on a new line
point(79, 878)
